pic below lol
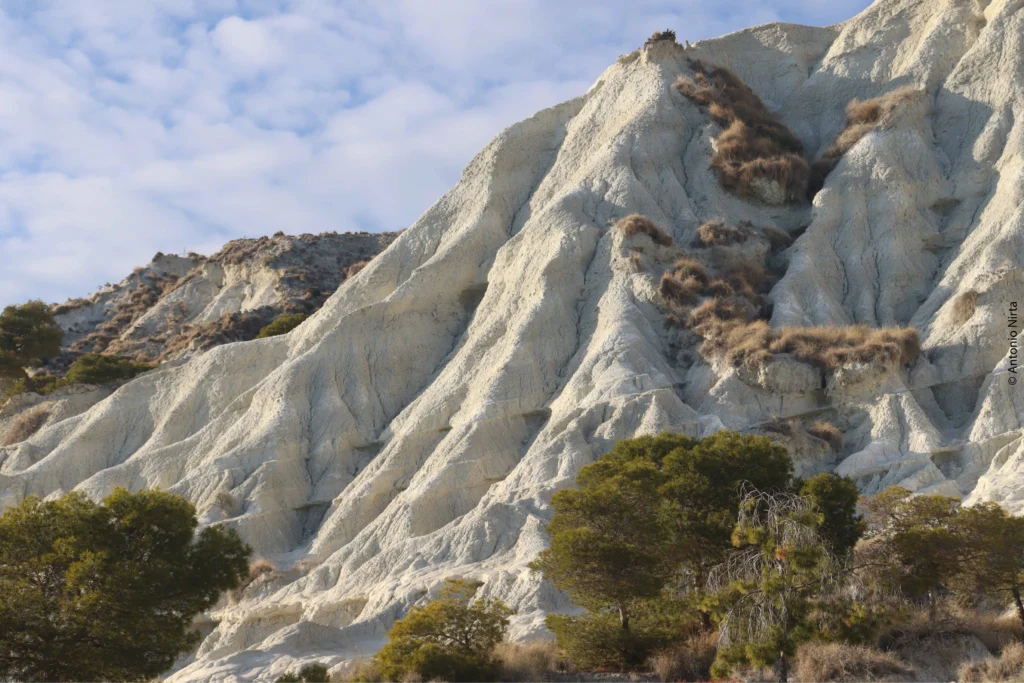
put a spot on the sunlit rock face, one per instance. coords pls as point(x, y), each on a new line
point(417, 425)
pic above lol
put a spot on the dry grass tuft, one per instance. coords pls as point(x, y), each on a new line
point(635, 224)
point(24, 426)
point(530, 661)
point(682, 292)
point(717, 311)
point(861, 119)
point(826, 431)
point(686, 267)
point(844, 662)
point(995, 631)
point(354, 269)
point(718, 234)
point(864, 117)
point(754, 145)
point(964, 306)
point(688, 661)
point(1008, 666)
point(258, 568)
point(753, 344)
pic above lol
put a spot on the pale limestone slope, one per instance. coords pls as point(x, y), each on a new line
point(416, 427)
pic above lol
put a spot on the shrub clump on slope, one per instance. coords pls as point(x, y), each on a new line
point(282, 324)
point(635, 224)
point(753, 344)
point(862, 117)
point(89, 368)
point(755, 149)
point(450, 639)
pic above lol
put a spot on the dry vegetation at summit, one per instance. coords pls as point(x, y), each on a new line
point(755, 147)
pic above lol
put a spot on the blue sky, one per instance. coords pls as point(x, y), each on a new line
point(129, 127)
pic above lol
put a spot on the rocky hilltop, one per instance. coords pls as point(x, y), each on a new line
point(177, 306)
point(417, 425)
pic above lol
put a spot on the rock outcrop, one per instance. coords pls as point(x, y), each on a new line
point(417, 425)
point(177, 306)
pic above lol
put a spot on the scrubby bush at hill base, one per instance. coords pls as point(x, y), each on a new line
point(96, 368)
point(452, 638)
point(91, 368)
point(92, 592)
point(669, 540)
point(310, 673)
point(282, 324)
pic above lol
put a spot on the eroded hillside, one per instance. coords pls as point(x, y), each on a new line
point(416, 426)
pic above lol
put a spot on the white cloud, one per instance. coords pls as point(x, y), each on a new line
point(130, 127)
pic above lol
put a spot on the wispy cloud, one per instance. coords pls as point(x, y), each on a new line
point(130, 127)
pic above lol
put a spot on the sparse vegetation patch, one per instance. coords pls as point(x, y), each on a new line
point(755, 343)
point(282, 324)
point(718, 234)
point(755, 149)
point(964, 306)
point(635, 224)
point(862, 117)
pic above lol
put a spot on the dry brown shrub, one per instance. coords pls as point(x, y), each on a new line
point(754, 144)
point(1008, 666)
point(257, 568)
point(995, 631)
point(718, 234)
point(845, 662)
point(24, 426)
point(719, 288)
point(778, 425)
point(826, 431)
point(749, 281)
point(636, 224)
point(354, 269)
point(530, 661)
point(686, 267)
point(717, 309)
point(863, 116)
point(964, 306)
point(690, 660)
point(742, 343)
point(754, 344)
point(683, 292)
